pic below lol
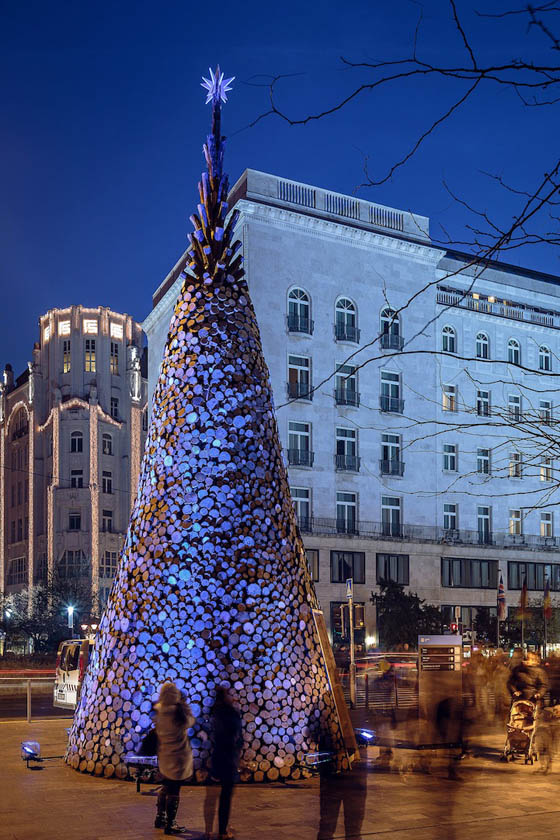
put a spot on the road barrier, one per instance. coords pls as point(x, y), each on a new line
point(28, 686)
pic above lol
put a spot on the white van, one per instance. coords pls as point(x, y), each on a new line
point(71, 663)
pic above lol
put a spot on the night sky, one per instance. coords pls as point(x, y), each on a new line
point(103, 120)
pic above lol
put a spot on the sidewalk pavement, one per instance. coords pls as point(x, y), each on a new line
point(493, 799)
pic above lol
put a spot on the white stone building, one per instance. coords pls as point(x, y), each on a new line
point(413, 439)
point(72, 432)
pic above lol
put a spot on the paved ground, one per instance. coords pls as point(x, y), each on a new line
point(493, 800)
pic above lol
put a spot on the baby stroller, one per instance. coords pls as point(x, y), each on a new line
point(520, 731)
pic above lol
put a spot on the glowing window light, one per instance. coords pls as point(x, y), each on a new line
point(116, 330)
point(64, 327)
point(47, 332)
point(90, 326)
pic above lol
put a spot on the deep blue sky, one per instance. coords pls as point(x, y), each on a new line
point(103, 119)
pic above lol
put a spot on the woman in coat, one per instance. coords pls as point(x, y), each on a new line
point(175, 762)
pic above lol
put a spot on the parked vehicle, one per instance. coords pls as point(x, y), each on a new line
point(71, 662)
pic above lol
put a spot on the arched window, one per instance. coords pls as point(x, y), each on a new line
point(545, 358)
point(482, 346)
point(299, 312)
point(514, 352)
point(346, 320)
point(107, 444)
point(76, 442)
point(448, 340)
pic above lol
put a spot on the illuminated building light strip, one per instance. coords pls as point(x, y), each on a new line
point(94, 495)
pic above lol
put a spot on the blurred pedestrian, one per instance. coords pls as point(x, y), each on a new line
point(347, 789)
point(175, 762)
point(528, 680)
point(227, 741)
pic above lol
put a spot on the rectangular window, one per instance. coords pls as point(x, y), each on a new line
point(74, 521)
point(535, 574)
point(515, 465)
point(64, 327)
point(514, 407)
point(450, 517)
point(390, 397)
point(114, 408)
point(107, 521)
point(13, 531)
point(346, 513)
point(346, 385)
point(77, 478)
point(107, 482)
point(483, 514)
point(545, 410)
point(515, 523)
point(66, 356)
point(90, 326)
point(299, 377)
point(116, 330)
point(299, 444)
point(89, 358)
point(20, 530)
point(450, 457)
point(312, 555)
point(546, 524)
point(393, 567)
point(469, 573)
point(301, 498)
point(483, 403)
point(483, 461)
point(391, 525)
point(107, 445)
point(114, 361)
point(348, 564)
point(346, 457)
point(108, 565)
point(449, 398)
point(76, 442)
point(545, 469)
point(390, 462)
point(17, 571)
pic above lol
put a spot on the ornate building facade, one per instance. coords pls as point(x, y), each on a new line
point(72, 431)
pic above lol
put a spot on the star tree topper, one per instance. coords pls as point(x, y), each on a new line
point(216, 86)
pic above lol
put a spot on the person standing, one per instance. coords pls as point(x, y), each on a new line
point(227, 741)
point(175, 761)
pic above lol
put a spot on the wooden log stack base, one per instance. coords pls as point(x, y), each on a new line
point(213, 586)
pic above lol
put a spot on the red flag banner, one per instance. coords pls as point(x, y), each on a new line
point(547, 605)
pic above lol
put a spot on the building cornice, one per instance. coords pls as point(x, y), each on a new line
point(321, 228)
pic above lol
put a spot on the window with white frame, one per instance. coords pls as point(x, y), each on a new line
point(115, 408)
point(546, 524)
point(299, 444)
point(391, 463)
point(515, 526)
point(76, 478)
point(390, 398)
point(483, 461)
point(66, 356)
point(107, 481)
point(299, 311)
point(312, 557)
point(89, 357)
point(346, 449)
point(450, 460)
point(107, 444)
point(107, 520)
point(515, 465)
point(545, 468)
point(114, 359)
point(448, 340)
point(545, 358)
point(346, 385)
point(74, 521)
point(514, 352)
point(346, 512)
point(345, 324)
point(482, 346)
point(450, 517)
point(76, 442)
point(514, 407)
point(449, 398)
point(299, 377)
point(483, 403)
point(483, 521)
point(545, 410)
point(391, 516)
point(390, 322)
point(301, 497)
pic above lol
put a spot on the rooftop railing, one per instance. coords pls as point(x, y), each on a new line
point(511, 310)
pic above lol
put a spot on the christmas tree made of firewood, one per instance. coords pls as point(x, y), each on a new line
point(213, 586)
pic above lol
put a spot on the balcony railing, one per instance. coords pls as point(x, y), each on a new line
point(391, 404)
point(349, 463)
point(429, 533)
point(345, 332)
point(300, 324)
point(300, 457)
point(300, 390)
point(389, 341)
point(391, 467)
point(513, 311)
point(346, 396)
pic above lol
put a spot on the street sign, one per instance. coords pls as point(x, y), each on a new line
point(349, 588)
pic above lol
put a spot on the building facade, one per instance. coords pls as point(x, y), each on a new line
point(413, 390)
point(72, 431)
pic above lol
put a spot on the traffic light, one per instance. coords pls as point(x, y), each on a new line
point(454, 627)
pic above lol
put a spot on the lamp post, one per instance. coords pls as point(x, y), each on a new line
point(70, 611)
point(350, 597)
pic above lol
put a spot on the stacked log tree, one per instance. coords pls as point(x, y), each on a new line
point(213, 586)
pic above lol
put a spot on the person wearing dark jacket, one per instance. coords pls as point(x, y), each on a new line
point(175, 761)
point(528, 679)
point(227, 741)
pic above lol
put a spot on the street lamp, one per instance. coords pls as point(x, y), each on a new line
point(70, 611)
